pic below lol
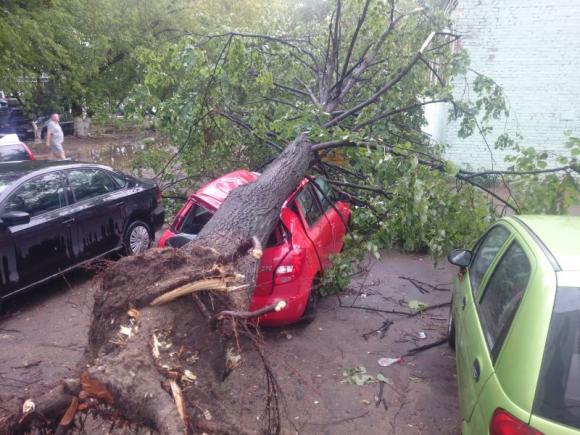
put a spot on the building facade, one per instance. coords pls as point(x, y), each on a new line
point(532, 50)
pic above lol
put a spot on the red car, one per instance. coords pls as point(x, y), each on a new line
point(297, 253)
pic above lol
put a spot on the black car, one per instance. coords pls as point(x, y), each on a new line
point(14, 120)
point(56, 215)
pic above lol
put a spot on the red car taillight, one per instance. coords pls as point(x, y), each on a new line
point(503, 423)
point(290, 267)
point(30, 155)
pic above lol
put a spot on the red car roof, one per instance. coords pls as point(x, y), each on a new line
point(215, 192)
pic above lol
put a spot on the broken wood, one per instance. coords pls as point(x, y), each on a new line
point(68, 417)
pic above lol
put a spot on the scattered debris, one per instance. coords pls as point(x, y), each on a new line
point(381, 330)
point(133, 313)
point(379, 397)
point(417, 305)
point(421, 335)
point(28, 406)
point(232, 359)
point(383, 379)
point(416, 350)
point(386, 362)
point(179, 403)
point(420, 285)
point(188, 376)
point(357, 376)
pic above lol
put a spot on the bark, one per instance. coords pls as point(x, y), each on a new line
point(130, 364)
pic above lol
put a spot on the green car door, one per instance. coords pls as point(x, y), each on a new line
point(474, 366)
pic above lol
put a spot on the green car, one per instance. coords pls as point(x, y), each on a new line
point(515, 325)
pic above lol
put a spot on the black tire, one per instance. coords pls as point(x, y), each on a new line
point(451, 329)
point(137, 238)
point(312, 306)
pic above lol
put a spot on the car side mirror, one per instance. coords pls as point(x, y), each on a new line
point(12, 218)
point(460, 257)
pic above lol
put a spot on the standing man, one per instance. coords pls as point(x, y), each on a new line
point(55, 137)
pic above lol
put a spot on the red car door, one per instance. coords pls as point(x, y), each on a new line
point(331, 207)
point(316, 224)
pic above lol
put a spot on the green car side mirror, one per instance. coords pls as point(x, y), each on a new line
point(460, 257)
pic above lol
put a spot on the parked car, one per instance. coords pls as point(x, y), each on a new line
point(13, 120)
point(12, 149)
point(298, 251)
point(55, 216)
point(515, 325)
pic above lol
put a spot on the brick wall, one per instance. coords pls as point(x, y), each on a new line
point(532, 49)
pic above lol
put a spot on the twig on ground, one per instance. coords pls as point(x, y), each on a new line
point(380, 395)
point(26, 366)
point(393, 311)
point(420, 285)
point(416, 350)
point(382, 329)
point(342, 420)
point(430, 307)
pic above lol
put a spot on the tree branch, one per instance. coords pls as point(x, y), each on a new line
point(362, 187)
point(402, 73)
point(395, 111)
point(353, 40)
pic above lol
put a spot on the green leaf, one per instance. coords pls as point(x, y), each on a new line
point(417, 305)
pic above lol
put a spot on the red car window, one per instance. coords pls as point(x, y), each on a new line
point(309, 205)
point(195, 220)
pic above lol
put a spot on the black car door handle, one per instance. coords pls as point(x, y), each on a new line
point(476, 370)
point(68, 221)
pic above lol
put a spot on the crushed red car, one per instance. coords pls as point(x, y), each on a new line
point(298, 251)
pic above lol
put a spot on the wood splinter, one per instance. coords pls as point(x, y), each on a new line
point(179, 402)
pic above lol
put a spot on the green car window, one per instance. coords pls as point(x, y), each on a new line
point(558, 393)
point(485, 252)
point(503, 294)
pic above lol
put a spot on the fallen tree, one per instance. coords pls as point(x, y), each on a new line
point(153, 312)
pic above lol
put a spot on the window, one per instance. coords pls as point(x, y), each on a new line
point(558, 393)
point(309, 205)
point(195, 220)
point(12, 153)
point(324, 193)
point(485, 252)
point(39, 195)
point(503, 294)
point(119, 179)
point(88, 183)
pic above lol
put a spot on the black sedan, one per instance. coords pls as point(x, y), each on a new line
point(55, 216)
point(14, 120)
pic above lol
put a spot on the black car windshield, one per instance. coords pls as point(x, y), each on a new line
point(13, 153)
point(558, 393)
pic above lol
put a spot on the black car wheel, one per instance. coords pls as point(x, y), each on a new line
point(137, 238)
point(451, 329)
point(312, 305)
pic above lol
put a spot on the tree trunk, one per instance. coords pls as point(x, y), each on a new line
point(130, 364)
